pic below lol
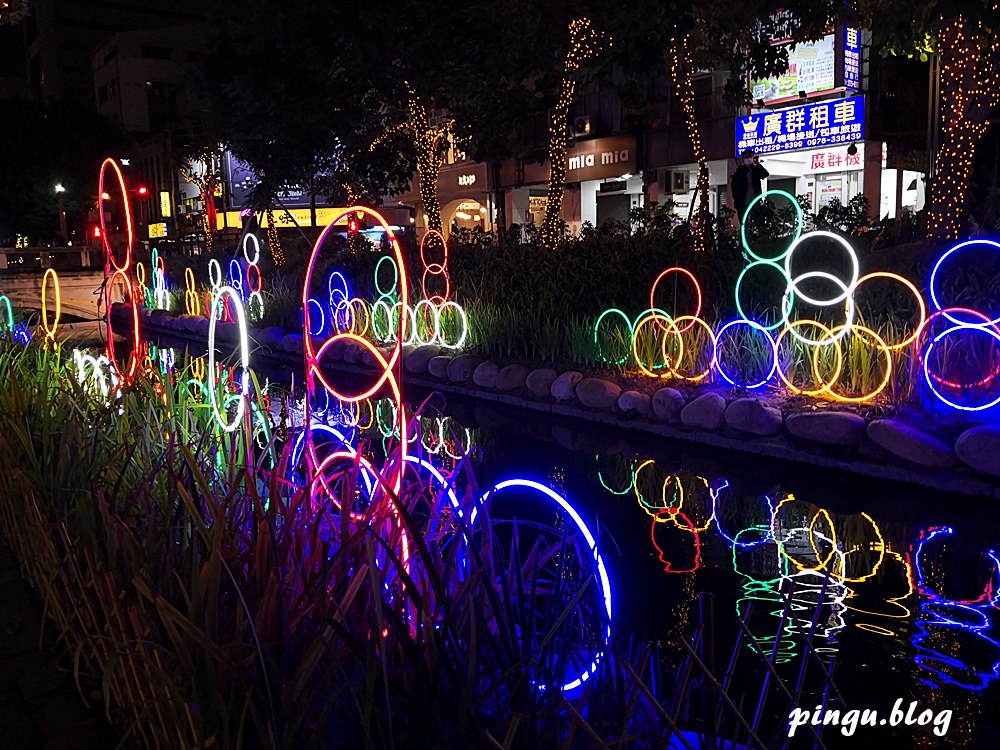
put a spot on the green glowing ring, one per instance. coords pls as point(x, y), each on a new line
point(642, 315)
point(787, 300)
point(597, 325)
point(798, 224)
point(8, 319)
point(631, 484)
point(395, 280)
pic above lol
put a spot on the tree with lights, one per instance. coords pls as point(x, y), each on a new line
point(202, 171)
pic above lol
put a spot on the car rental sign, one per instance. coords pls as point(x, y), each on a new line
point(821, 124)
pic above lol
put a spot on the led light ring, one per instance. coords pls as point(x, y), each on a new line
point(985, 324)
point(654, 316)
point(382, 303)
point(435, 326)
point(840, 359)
point(251, 239)
point(50, 331)
point(697, 289)
point(631, 475)
point(110, 260)
point(190, 293)
point(746, 214)
point(937, 266)
point(754, 327)
point(463, 324)
point(339, 296)
point(7, 320)
point(256, 276)
point(160, 289)
point(244, 391)
point(668, 566)
point(435, 269)
point(395, 281)
point(448, 490)
point(916, 294)
point(318, 330)
point(437, 299)
point(711, 335)
point(673, 513)
point(780, 543)
point(787, 301)
point(359, 315)
point(127, 376)
point(602, 572)
point(848, 288)
point(214, 274)
point(140, 276)
point(255, 305)
point(927, 375)
point(597, 326)
point(371, 416)
point(236, 278)
point(350, 456)
point(848, 312)
point(405, 311)
point(878, 563)
point(645, 504)
point(879, 344)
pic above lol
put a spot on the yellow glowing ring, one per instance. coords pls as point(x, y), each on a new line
point(916, 293)
point(878, 563)
point(653, 317)
point(663, 493)
point(371, 415)
point(840, 358)
point(140, 275)
point(711, 334)
point(867, 396)
point(674, 512)
point(198, 368)
point(50, 331)
point(876, 629)
point(357, 309)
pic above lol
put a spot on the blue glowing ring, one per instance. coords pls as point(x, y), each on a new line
point(927, 356)
point(774, 353)
point(933, 284)
point(322, 319)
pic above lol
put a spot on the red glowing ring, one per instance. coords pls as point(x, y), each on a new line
point(124, 377)
point(108, 252)
point(697, 289)
point(444, 245)
point(447, 286)
point(254, 289)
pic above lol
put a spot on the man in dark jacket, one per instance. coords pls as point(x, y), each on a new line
point(746, 182)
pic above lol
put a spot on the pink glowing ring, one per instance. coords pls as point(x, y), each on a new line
point(937, 266)
point(991, 331)
point(435, 269)
point(697, 289)
point(127, 376)
point(129, 230)
point(986, 325)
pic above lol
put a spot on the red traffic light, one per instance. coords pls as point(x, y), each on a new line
point(143, 190)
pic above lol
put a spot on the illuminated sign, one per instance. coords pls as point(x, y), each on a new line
point(836, 159)
point(852, 58)
point(289, 218)
point(601, 158)
point(809, 126)
point(165, 204)
point(157, 230)
point(466, 179)
point(811, 68)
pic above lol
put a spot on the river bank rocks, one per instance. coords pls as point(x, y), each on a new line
point(830, 427)
point(667, 404)
point(539, 382)
point(706, 412)
point(910, 444)
point(979, 448)
point(416, 361)
point(438, 366)
point(460, 369)
point(511, 378)
point(564, 386)
point(635, 402)
point(753, 416)
point(485, 375)
point(595, 393)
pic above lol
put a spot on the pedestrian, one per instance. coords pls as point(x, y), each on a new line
point(746, 182)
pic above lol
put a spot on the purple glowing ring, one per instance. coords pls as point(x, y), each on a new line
point(718, 357)
point(927, 355)
point(932, 284)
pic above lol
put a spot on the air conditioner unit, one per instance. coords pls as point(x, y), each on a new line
point(680, 182)
point(581, 126)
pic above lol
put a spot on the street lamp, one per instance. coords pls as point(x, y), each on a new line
point(62, 212)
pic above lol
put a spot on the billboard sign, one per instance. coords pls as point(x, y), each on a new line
point(809, 126)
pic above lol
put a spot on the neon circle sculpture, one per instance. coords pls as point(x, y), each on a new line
point(937, 266)
point(339, 297)
point(793, 281)
point(711, 335)
point(435, 269)
point(7, 319)
point(597, 326)
point(192, 303)
point(985, 324)
point(405, 313)
point(697, 290)
point(391, 366)
point(788, 300)
point(840, 358)
point(244, 389)
point(464, 324)
point(50, 331)
point(320, 318)
point(771, 345)
point(798, 225)
point(916, 294)
point(880, 345)
point(434, 326)
point(129, 228)
point(655, 317)
point(848, 310)
point(602, 572)
point(991, 331)
point(395, 280)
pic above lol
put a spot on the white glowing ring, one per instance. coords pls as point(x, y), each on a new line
point(404, 311)
point(848, 288)
point(602, 572)
point(848, 310)
point(247, 239)
point(464, 324)
point(381, 303)
point(244, 358)
point(434, 326)
point(256, 301)
point(214, 273)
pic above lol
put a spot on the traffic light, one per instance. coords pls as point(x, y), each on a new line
point(143, 190)
point(96, 232)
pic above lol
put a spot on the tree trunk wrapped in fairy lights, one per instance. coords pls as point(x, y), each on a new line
point(584, 43)
point(273, 242)
point(682, 77)
point(426, 140)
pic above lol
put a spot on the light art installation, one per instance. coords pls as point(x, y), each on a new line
point(50, 277)
point(255, 280)
point(244, 383)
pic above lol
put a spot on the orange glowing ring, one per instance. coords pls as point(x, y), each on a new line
point(916, 293)
point(840, 359)
point(124, 377)
point(108, 252)
point(867, 396)
point(357, 310)
point(697, 289)
point(812, 543)
point(878, 562)
point(715, 350)
point(654, 316)
point(673, 512)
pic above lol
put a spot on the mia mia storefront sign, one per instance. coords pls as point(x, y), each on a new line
point(600, 158)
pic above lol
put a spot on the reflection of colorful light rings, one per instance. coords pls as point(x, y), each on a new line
point(395, 276)
point(697, 289)
point(244, 390)
point(937, 266)
point(627, 338)
point(7, 319)
point(793, 280)
point(926, 366)
point(129, 230)
point(917, 295)
point(466, 449)
point(197, 368)
point(425, 312)
point(828, 387)
point(656, 316)
point(842, 558)
point(771, 343)
point(925, 589)
point(350, 457)
point(630, 472)
point(734, 541)
point(463, 324)
point(369, 422)
point(812, 359)
point(671, 513)
point(651, 509)
point(602, 572)
point(315, 401)
point(405, 314)
point(316, 318)
point(127, 376)
point(787, 301)
point(795, 236)
point(214, 273)
point(50, 331)
point(811, 529)
point(448, 491)
point(680, 347)
point(848, 309)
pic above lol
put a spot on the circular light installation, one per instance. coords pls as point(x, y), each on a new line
point(431, 322)
point(395, 276)
point(628, 336)
point(772, 347)
point(463, 325)
point(848, 311)
point(697, 289)
point(255, 280)
point(839, 354)
point(787, 301)
point(656, 317)
point(439, 269)
point(793, 281)
point(317, 321)
point(50, 330)
point(192, 303)
point(602, 573)
point(921, 305)
point(972, 328)
point(937, 266)
point(340, 296)
point(711, 336)
point(795, 235)
point(244, 387)
point(880, 345)
point(109, 254)
point(7, 319)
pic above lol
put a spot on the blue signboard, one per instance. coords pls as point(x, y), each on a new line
point(809, 126)
point(852, 58)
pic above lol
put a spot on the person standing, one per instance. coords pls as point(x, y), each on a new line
point(745, 185)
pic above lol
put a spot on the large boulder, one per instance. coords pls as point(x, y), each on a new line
point(830, 427)
point(511, 377)
point(485, 375)
point(353, 352)
point(563, 387)
point(909, 443)
point(460, 369)
point(416, 361)
point(753, 416)
point(291, 342)
point(595, 393)
point(704, 413)
point(635, 402)
point(539, 382)
point(979, 448)
point(438, 366)
point(667, 403)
